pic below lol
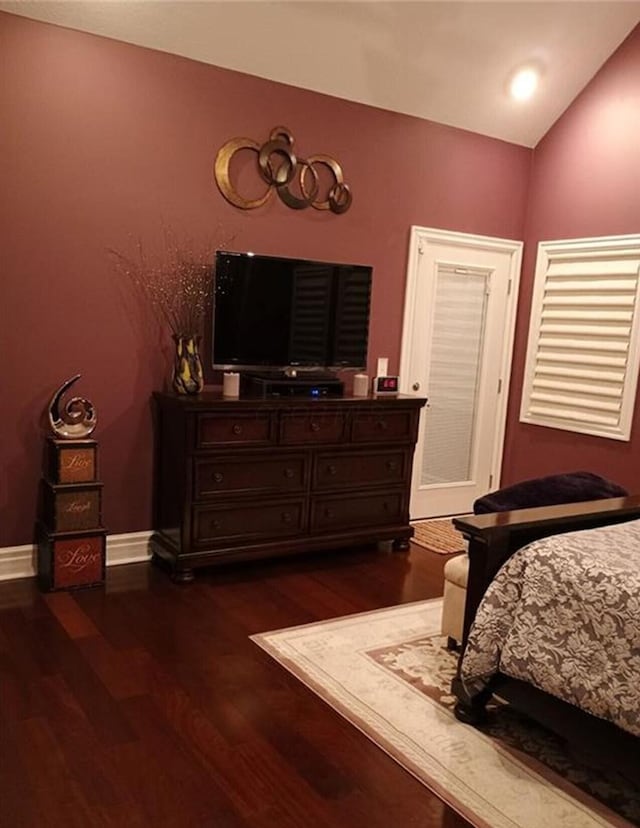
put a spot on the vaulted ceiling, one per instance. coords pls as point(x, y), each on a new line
point(445, 61)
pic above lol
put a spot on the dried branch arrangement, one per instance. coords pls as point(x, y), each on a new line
point(176, 281)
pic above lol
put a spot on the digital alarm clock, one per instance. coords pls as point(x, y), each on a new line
point(385, 385)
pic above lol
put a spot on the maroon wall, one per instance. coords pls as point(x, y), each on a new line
point(102, 143)
point(585, 182)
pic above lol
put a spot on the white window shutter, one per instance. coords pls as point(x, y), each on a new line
point(583, 352)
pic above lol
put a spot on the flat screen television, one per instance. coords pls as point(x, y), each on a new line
point(271, 313)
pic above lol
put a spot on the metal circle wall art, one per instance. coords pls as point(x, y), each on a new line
point(279, 168)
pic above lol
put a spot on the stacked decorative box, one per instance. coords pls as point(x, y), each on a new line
point(70, 535)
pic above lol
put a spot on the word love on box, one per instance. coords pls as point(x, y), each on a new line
point(67, 561)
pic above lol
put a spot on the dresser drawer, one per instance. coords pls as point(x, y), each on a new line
point(333, 513)
point(241, 429)
point(311, 428)
point(381, 426)
point(355, 469)
point(250, 473)
point(246, 521)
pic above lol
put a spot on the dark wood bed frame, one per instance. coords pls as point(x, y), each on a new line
point(493, 538)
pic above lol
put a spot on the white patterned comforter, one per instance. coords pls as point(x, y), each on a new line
point(564, 615)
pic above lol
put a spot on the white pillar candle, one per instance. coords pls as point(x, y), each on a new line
point(231, 384)
point(360, 385)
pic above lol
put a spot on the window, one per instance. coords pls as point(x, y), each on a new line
point(584, 336)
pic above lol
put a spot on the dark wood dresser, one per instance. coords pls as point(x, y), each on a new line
point(248, 478)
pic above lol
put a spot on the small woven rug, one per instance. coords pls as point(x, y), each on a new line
point(438, 536)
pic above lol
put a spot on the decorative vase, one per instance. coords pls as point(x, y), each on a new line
point(187, 369)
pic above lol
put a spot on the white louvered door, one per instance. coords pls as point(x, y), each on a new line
point(457, 342)
point(584, 337)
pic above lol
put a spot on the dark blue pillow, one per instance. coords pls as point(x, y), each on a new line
point(549, 491)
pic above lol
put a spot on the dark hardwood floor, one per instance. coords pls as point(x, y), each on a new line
point(146, 704)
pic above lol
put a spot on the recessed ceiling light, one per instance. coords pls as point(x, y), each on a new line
point(524, 83)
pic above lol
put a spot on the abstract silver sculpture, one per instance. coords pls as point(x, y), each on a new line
point(78, 418)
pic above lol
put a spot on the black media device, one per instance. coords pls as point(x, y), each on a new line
point(272, 313)
point(275, 385)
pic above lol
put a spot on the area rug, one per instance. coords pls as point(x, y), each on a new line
point(388, 672)
point(438, 536)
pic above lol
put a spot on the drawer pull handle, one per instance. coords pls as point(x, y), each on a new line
point(382, 425)
point(328, 513)
point(218, 477)
point(288, 473)
point(392, 465)
point(214, 525)
point(286, 517)
point(385, 506)
point(237, 429)
point(315, 427)
point(331, 469)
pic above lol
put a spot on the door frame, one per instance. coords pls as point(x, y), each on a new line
point(420, 238)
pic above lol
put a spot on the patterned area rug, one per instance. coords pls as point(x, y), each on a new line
point(388, 672)
point(438, 536)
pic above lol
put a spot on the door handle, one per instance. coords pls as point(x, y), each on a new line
point(416, 386)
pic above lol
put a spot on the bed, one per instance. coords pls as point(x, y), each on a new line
point(531, 648)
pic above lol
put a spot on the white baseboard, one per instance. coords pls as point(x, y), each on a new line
point(20, 561)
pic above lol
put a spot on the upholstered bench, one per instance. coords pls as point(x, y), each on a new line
point(456, 572)
point(541, 491)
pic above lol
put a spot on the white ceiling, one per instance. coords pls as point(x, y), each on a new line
point(445, 61)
